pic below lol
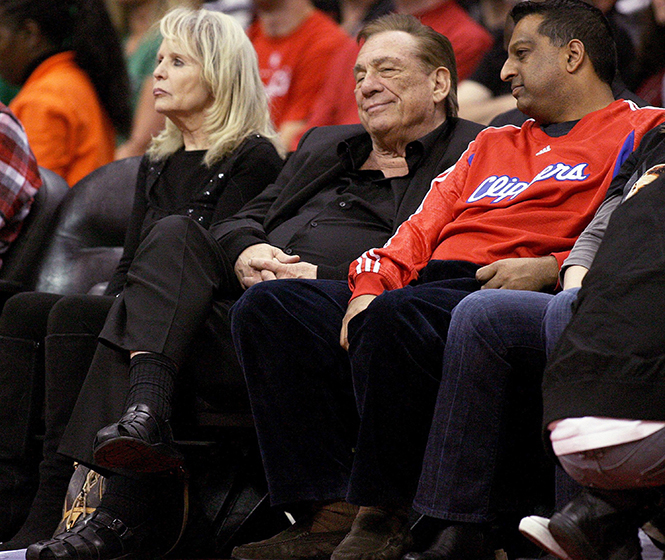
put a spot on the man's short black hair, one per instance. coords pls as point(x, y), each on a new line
point(565, 20)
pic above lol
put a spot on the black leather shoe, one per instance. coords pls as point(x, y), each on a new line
point(98, 537)
point(461, 541)
point(603, 525)
point(140, 441)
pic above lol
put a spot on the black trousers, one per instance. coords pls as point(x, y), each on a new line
point(175, 302)
point(46, 344)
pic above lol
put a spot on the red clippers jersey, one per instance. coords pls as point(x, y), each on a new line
point(515, 192)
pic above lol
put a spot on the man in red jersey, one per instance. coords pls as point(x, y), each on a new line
point(504, 216)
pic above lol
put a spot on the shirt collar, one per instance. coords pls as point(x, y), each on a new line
point(354, 151)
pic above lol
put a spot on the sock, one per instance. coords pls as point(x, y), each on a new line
point(129, 499)
point(335, 516)
point(151, 381)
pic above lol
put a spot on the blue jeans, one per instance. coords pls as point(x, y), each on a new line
point(490, 331)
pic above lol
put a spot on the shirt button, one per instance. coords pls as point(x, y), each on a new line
point(207, 193)
point(199, 219)
point(190, 211)
point(342, 204)
point(288, 250)
point(314, 224)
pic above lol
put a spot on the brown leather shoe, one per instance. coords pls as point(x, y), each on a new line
point(376, 534)
point(296, 542)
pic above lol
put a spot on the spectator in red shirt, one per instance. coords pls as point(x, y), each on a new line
point(295, 44)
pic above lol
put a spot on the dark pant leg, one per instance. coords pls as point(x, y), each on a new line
point(100, 402)
point(22, 331)
point(286, 334)
point(460, 465)
point(396, 349)
point(176, 275)
point(73, 325)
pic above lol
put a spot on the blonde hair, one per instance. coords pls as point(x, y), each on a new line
point(229, 70)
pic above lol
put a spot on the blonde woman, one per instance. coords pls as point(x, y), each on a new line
point(216, 152)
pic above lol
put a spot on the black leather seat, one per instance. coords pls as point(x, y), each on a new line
point(88, 232)
point(20, 263)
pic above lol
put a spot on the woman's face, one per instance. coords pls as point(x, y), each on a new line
point(177, 87)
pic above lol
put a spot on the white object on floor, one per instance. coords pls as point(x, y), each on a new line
point(649, 550)
point(13, 554)
point(536, 529)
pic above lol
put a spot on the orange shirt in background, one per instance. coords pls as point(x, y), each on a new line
point(68, 130)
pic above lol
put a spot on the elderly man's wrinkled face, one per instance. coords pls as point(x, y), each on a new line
point(397, 97)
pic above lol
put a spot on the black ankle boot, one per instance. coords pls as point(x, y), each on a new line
point(603, 525)
point(144, 516)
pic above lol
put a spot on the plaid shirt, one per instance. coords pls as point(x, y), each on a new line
point(19, 177)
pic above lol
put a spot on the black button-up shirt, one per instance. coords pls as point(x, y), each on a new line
point(357, 210)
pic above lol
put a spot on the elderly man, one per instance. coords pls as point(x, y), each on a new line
point(344, 190)
point(505, 216)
